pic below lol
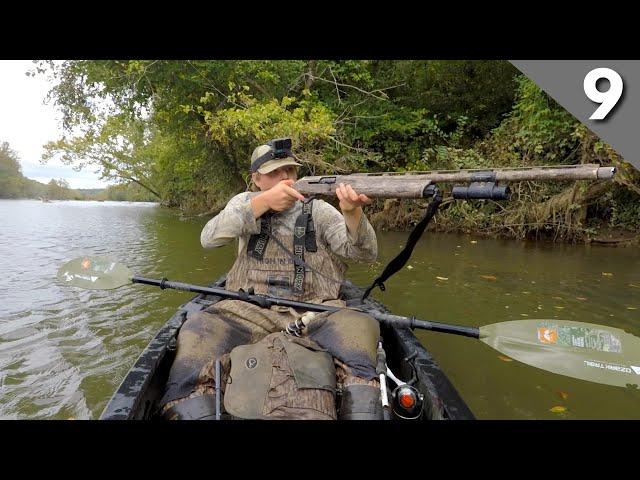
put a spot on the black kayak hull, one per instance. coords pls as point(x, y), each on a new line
point(137, 396)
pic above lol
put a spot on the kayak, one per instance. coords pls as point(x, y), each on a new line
point(137, 396)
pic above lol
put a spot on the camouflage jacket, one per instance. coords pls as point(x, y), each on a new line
point(237, 221)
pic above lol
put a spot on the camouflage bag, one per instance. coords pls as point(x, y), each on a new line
point(281, 377)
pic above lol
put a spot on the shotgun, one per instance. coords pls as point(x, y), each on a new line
point(482, 183)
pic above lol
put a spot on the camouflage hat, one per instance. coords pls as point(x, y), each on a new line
point(263, 160)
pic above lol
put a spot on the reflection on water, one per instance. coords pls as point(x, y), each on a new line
point(63, 350)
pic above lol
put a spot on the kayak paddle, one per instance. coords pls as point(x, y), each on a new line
point(586, 351)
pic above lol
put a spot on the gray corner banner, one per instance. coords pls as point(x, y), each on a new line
point(564, 81)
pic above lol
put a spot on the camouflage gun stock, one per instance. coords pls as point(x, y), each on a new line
point(482, 183)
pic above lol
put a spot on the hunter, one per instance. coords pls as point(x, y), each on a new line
point(269, 373)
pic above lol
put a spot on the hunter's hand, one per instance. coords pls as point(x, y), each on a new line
point(279, 198)
point(350, 200)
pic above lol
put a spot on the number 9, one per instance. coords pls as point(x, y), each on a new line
point(607, 99)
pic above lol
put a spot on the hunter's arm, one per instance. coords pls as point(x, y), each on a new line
point(360, 245)
point(235, 220)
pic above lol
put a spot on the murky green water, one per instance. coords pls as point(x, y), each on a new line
point(63, 351)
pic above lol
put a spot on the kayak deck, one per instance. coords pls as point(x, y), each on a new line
point(137, 396)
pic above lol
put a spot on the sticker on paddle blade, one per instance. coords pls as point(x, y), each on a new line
point(547, 335)
point(98, 273)
point(580, 337)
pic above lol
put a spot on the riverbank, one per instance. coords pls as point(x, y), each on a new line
point(493, 220)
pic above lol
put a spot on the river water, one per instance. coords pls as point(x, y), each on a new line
point(63, 351)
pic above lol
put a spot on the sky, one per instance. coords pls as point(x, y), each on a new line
point(27, 124)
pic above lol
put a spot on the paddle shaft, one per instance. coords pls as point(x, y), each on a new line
point(266, 301)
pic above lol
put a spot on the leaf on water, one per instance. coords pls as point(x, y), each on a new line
point(607, 274)
point(558, 307)
point(409, 267)
point(489, 277)
point(505, 359)
point(442, 278)
point(563, 395)
point(557, 298)
point(524, 315)
point(526, 293)
point(631, 308)
point(474, 241)
point(632, 285)
point(581, 298)
point(558, 409)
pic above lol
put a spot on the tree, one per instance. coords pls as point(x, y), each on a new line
point(117, 147)
point(9, 162)
point(11, 179)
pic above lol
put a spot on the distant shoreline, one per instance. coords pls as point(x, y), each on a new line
point(53, 200)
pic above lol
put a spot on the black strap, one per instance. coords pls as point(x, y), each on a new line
point(310, 235)
point(401, 259)
point(304, 238)
point(257, 244)
point(299, 236)
point(270, 155)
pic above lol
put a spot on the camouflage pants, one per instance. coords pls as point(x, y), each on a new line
point(350, 337)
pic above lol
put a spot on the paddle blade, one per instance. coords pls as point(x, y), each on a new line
point(97, 273)
point(580, 350)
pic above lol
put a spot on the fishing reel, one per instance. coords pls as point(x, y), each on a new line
point(406, 400)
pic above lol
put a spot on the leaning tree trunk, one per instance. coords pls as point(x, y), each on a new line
point(565, 214)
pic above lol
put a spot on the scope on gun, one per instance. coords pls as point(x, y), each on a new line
point(489, 191)
point(482, 186)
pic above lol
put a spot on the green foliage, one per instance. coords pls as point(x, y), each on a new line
point(9, 162)
point(118, 145)
point(129, 192)
point(59, 190)
point(185, 130)
point(236, 131)
point(12, 183)
point(544, 131)
point(354, 115)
